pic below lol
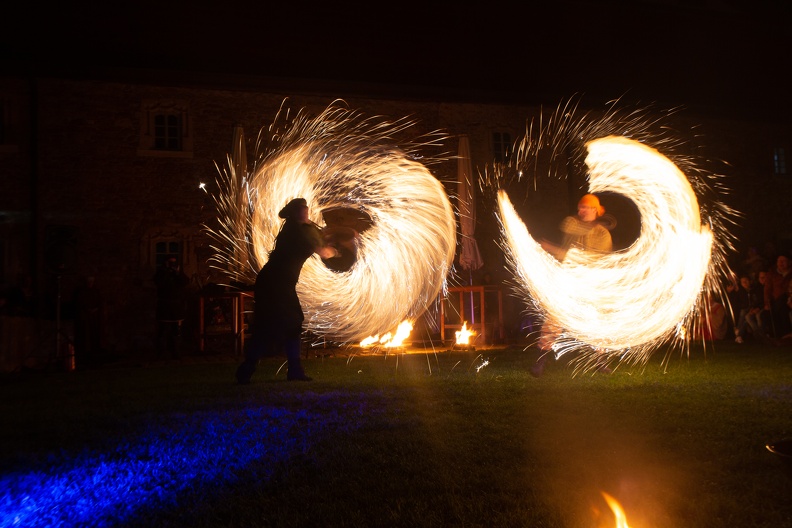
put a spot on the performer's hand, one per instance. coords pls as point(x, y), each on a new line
point(327, 252)
point(553, 249)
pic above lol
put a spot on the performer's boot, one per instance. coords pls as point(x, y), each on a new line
point(537, 369)
point(546, 339)
point(293, 351)
point(245, 372)
point(248, 367)
point(602, 364)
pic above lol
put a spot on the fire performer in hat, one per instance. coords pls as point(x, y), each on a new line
point(589, 230)
point(277, 314)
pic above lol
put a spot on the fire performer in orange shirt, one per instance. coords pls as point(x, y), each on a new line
point(589, 230)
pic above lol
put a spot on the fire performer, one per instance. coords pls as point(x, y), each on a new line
point(277, 314)
point(588, 231)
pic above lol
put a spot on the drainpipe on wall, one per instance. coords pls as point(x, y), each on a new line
point(34, 199)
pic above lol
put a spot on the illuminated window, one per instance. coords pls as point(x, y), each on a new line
point(160, 244)
point(165, 249)
point(779, 161)
point(501, 146)
point(165, 129)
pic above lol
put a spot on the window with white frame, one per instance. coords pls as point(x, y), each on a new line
point(779, 162)
point(167, 249)
point(167, 132)
point(501, 146)
point(165, 129)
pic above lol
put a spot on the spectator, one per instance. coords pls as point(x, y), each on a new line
point(754, 263)
point(171, 306)
point(19, 298)
point(754, 316)
point(775, 313)
point(716, 324)
point(88, 323)
point(746, 300)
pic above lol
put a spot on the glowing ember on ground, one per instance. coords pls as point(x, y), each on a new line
point(463, 336)
point(482, 365)
point(621, 518)
point(340, 160)
point(390, 340)
point(627, 303)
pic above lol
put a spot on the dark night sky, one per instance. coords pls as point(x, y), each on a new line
point(725, 57)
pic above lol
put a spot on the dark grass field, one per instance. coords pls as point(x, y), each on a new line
point(411, 439)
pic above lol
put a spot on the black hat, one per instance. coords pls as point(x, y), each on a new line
point(292, 208)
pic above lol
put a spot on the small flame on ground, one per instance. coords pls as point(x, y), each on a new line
point(369, 341)
point(390, 340)
point(621, 517)
point(463, 336)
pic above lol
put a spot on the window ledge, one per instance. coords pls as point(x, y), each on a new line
point(164, 153)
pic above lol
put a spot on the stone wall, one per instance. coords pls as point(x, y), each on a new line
point(99, 205)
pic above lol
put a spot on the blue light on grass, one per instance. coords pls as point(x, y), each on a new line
point(150, 471)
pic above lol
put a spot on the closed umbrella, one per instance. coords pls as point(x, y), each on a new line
point(469, 256)
point(239, 178)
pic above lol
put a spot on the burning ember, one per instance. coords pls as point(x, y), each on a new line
point(463, 336)
point(463, 339)
point(389, 340)
point(621, 518)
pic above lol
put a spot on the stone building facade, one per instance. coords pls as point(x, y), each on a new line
point(87, 192)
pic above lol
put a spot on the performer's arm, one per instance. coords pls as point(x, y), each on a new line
point(320, 248)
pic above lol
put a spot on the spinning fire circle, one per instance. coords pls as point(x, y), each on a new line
point(340, 161)
point(627, 303)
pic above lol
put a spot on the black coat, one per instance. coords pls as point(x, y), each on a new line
point(277, 311)
point(171, 294)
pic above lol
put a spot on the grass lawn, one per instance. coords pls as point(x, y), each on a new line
point(432, 440)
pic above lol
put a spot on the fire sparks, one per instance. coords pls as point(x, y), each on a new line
point(339, 160)
point(626, 303)
point(463, 335)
